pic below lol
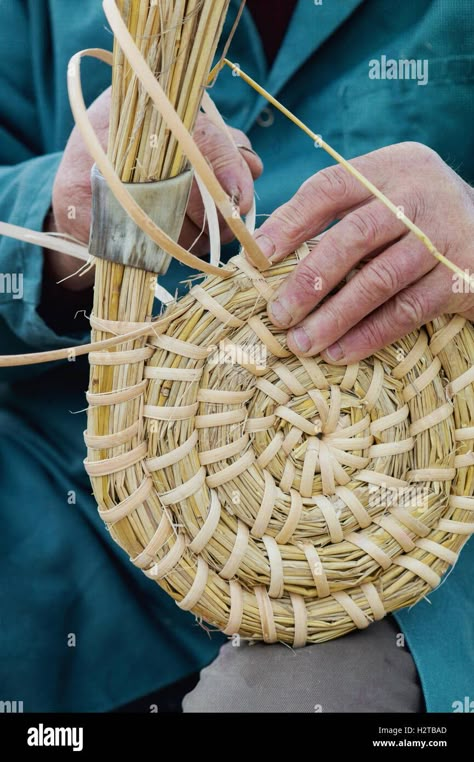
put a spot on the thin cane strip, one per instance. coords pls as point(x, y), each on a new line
point(443, 337)
point(289, 379)
point(109, 466)
point(270, 451)
point(213, 306)
point(420, 383)
point(391, 448)
point(127, 506)
point(432, 419)
point(207, 457)
point(431, 474)
point(196, 591)
point(438, 550)
point(464, 461)
point(224, 396)
point(369, 546)
point(291, 440)
point(300, 616)
point(295, 419)
point(178, 347)
point(186, 489)
point(238, 551)
point(265, 510)
point(456, 527)
point(266, 337)
point(334, 410)
point(411, 522)
point(168, 459)
point(330, 517)
point(374, 600)
point(231, 472)
point(161, 536)
point(253, 425)
point(107, 441)
point(413, 357)
point(387, 421)
point(461, 502)
point(209, 527)
point(287, 477)
point(266, 615)
point(168, 563)
point(321, 406)
point(170, 413)
point(120, 358)
point(355, 506)
point(317, 570)
point(350, 377)
point(375, 388)
point(460, 383)
point(356, 614)
point(272, 391)
point(292, 520)
point(219, 419)
point(189, 375)
point(311, 460)
point(394, 529)
point(461, 435)
point(275, 589)
point(236, 608)
point(314, 372)
point(418, 568)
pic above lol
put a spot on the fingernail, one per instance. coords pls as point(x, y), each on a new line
point(266, 244)
point(241, 147)
point(301, 339)
point(335, 352)
point(279, 312)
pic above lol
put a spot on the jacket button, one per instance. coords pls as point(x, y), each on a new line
point(266, 117)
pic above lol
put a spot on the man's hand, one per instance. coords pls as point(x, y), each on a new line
point(236, 169)
point(402, 285)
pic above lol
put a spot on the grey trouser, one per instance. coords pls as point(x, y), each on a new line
point(366, 671)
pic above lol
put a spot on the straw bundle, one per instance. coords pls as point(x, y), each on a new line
point(276, 497)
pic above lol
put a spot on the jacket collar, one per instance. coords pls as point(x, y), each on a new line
point(310, 26)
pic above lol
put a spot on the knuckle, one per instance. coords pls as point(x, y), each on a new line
point(423, 150)
point(382, 278)
point(216, 147)
point(332, 182)
point(307, 277)
point(334, 316)
point(338, 250)
point(418, 209)
point(421, 154)
point(293, 216)
point(363, 226)
point(409, 310)
point(371, 334)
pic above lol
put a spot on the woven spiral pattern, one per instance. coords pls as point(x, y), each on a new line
point(280, 497)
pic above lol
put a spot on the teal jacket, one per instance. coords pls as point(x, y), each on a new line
point(80, 628)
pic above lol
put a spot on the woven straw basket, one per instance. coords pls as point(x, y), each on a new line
point(280, 497)
point(277, 497)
